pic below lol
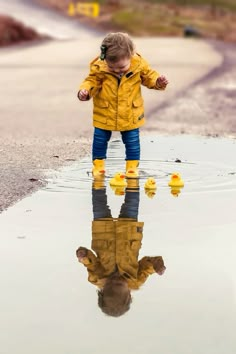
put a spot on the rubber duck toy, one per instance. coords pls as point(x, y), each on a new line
point(132, 184)
point(118, 190)
point(176, 181)
point(150, 183)
point(118, 180)
point(150, 193)
point(175, 191)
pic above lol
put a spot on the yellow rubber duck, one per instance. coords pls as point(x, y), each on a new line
point(118, 190)
point(118, 180)
point(150, 193)
point(176, 180)
point(175, 191)
point(150, 183)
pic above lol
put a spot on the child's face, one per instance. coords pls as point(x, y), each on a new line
point(119, 67)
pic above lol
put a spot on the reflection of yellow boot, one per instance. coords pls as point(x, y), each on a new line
point(98, 168)
point(99, 182)
point(132, 185)
point(132, 168)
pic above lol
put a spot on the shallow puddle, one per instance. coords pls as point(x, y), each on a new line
point(47, 303)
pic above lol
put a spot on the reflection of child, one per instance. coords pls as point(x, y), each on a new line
point(114, 83)
point(116, 241)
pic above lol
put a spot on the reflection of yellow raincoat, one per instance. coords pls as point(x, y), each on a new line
point(117, 243)
point(118, 105)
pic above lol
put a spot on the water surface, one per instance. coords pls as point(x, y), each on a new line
point(47, 303)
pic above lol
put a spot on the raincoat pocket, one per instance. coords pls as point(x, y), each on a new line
point(102, 103)
point(100, 110)
point(138, 109)
point(99, 245)
point(135, 245)
point(138, 102)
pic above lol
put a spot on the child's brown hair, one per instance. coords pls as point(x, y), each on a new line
point(114, 305)
point(116, 46)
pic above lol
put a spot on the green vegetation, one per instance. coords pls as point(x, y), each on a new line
point(212, 18)
point(137, 23)
point(223, 4)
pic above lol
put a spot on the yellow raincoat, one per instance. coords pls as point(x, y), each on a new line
point(118, 103)
point(116, 243)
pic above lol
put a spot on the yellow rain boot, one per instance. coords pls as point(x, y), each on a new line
point(98, 168)
point(132, 168)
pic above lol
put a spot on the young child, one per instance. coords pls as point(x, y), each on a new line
point(115, 268)
point(114, 83)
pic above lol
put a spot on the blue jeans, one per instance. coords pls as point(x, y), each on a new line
point(129, 208)
point(130, 138)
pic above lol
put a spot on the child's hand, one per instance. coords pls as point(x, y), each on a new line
point(159, 266)
point(161, 271)
point(83, 95)
point(81, 253)
point(162, 82)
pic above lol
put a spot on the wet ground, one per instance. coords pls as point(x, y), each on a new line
point(47, 304)
point(44, 126)
point(208, 106)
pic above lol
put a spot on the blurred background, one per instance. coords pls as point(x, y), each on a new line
point(206, 18)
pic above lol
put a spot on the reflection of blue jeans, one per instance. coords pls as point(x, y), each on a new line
point(129, 208)
point(130, 138)
point(100, 207)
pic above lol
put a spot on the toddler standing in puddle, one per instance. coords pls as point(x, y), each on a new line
point(114, 83)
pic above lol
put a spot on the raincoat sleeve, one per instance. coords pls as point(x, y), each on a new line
point(93, 82)
point(148, 266)
point(149, 76)
point(91, 262)
point(94, 268)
